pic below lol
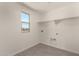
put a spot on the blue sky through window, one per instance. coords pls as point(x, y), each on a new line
point(25, 20)
point(24, 17)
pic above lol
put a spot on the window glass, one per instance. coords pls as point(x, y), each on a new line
point(24, 17)
point(25, 21)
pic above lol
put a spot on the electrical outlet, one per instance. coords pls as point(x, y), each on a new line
point(57, 33)
point(42, 31)
point(53, 39)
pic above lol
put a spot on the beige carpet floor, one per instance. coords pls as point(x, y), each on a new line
point(44, 50)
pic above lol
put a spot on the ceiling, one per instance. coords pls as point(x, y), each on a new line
point(46, 6)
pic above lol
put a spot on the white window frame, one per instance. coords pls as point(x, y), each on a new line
point(25, 30)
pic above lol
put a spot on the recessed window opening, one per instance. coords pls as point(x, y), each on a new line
point(25, 21)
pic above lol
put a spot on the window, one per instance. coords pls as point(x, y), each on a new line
point(25, 22)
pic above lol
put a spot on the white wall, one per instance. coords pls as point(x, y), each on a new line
point(68, 35)
point(48, 34)
point(68, 29)
point(62, 12)
point(12, 40)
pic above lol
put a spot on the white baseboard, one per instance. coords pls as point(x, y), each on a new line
point(61, 48)
point(45, 44)
point(31, 45)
